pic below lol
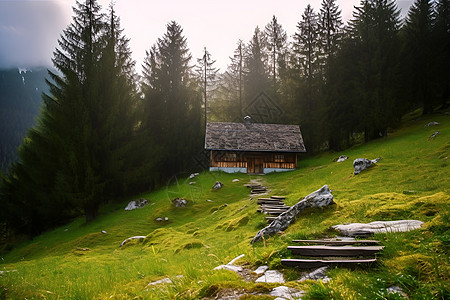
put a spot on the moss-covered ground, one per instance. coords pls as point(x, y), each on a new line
point(78, 261)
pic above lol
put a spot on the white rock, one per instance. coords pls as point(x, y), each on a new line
point(342, 158)
point(136, 204)
point(164, 280)
point(236, 259)
point(235, 180)
point(396, 290)
point(364, 229)
point(271, 276)
point(284, 292)
point(104, 232)
point(192, 183)
point(317, 274)
point(261, 270)
point(193, 175)
point(232, 268)
point(138, 237)
point(432, 123)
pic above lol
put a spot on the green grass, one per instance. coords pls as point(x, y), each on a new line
point(77, 261)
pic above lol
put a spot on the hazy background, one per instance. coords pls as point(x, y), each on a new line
point(29, 29)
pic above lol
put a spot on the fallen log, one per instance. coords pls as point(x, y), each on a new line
point(321, 197)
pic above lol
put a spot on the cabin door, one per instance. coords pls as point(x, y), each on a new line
point(255, 165)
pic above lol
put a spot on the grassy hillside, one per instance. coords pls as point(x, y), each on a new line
point(78, 261)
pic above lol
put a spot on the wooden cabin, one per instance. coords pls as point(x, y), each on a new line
point(253, 148)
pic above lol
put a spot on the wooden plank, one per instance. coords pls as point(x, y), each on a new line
point(311, 263)
point(338, 242)
point(278, 197)
point(282, 206)
point(274, 202)
point(334, 251)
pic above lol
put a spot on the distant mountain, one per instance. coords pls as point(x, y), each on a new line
point(20, 101)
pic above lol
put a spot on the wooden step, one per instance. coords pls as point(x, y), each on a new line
point(271, 202)
point(278, 197)
point(313, 263)
point(338, 242)
point(335, 251)
point(275, 206)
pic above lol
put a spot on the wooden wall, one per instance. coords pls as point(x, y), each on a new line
point(230, 159)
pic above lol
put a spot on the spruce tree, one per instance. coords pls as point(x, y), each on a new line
point(256, 72)
point(72, 161)
point(172, 101)
point(207, 74)
point(418, 49)
point(276, 38)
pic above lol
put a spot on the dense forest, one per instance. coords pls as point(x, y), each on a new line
point(105, 131)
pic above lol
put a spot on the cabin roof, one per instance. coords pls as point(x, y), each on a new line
point(253, 137)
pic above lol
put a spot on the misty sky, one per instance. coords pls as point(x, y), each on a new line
point(29, 29)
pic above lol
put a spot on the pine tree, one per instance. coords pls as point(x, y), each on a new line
point(72, 161)
point(374, 28)
point(418, 68)
point(172, 101)
point(208, 78)
point(229, 107)
point(306, 52)
point(330, 28)
point(441, 37)
point(276, 38)
point(256, 74)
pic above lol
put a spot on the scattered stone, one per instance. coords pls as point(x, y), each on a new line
point(230, 266)
point(192, 183)
point(396, 290)
point(166, 219)
point(434, 135)
point(159, 219)
point(365, 229)
point(164, 281)
point(66, 230)
point(193, 175)
point(432, 124)
point(235, 180)
point(261, 270)
point(360, 164)
point(138, 237)
point(342, 158)
point(271, 276)
point(104, 232)
point(179, 202)
point(411, 192)
point(321, 197)
point(136, 204)
point(236, 269)
point(320, 273)
point(284, 292)
point(209, 200)
point(218, 185)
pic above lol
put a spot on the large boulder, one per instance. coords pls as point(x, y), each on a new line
point(360, 164)
point(139, 203)
point(321, 197)
point(366, 229)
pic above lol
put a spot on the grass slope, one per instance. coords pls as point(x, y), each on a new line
point(77, 261)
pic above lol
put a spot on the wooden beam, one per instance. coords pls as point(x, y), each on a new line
point(338, 242)
point(335, 251)
point(310, 263)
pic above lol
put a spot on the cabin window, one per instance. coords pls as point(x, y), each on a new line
point(231, 157)
point(279, 158)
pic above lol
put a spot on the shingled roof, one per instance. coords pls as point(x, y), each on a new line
point(254, 137)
